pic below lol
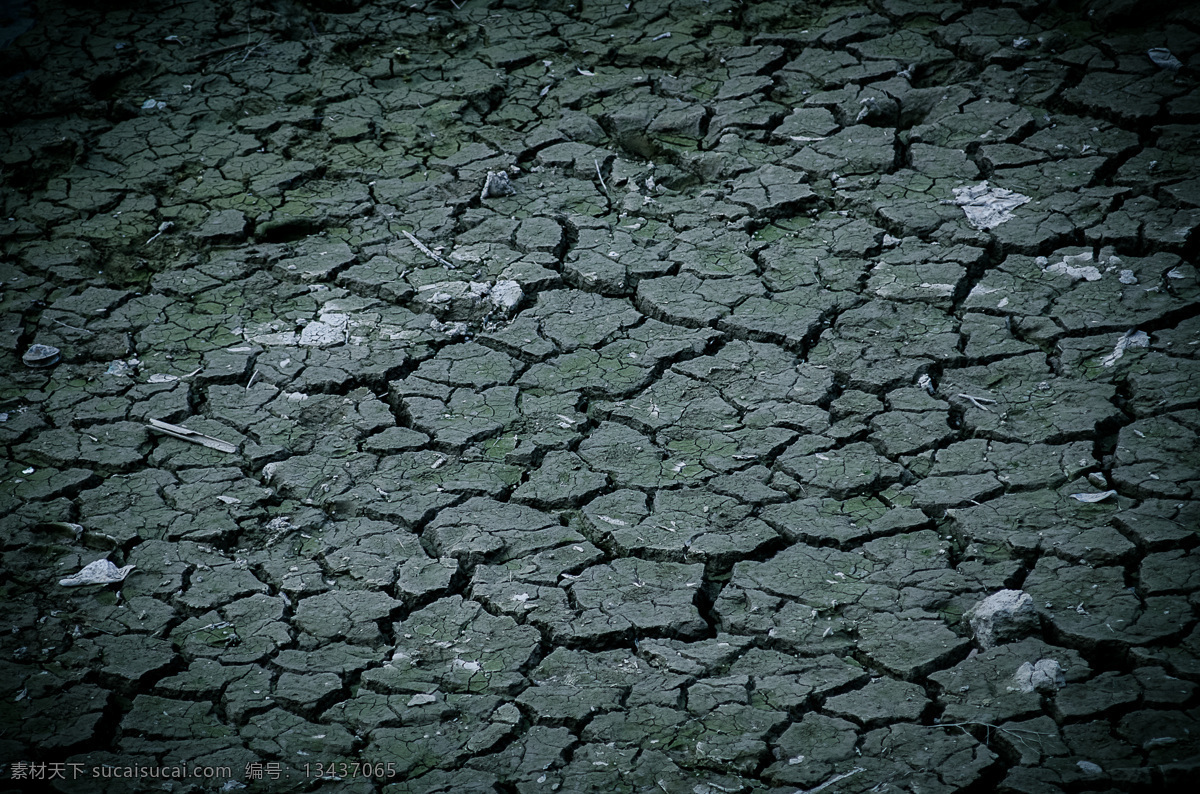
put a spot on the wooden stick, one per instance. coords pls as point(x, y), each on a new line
point(185, 434)
point(426, 250)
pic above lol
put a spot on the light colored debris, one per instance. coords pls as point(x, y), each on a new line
point(506, 295)
point(122, 367)
point(38, 356)
point(496, 185)
point(869, 105)
point(160, 377)
point(1075, 267)
point(59, 322)
point(831, 781)
point(978, 402)
point(467, 300)
point(186, 434)
point(1046, 675)
point(1003, 616)
point(1092, 498)
point(452, 330)
point(98, 572)
point(162, 229)
point(426, 250)
point(64, 527)
point(1128, 340)
point(1163, 59)
point(987, 207)
point(331, 329)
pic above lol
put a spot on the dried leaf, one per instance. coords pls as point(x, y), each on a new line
point(1093, 497)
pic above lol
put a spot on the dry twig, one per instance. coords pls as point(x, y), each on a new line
point(426, 250)
point(978, 402)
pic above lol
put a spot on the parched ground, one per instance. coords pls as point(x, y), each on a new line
point(686, 396)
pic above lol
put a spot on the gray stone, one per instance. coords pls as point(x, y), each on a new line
point(1002, 617)
point(1044, 676)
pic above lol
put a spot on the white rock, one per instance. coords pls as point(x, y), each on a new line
point(496, 185)
point(1045, 675)
point(506, 295)
point(1003, 616)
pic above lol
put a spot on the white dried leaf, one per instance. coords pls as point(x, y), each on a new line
point(98, 572)
point(987, 207)
point(1091, 498)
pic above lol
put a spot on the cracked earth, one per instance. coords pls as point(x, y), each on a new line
point(673, 395)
